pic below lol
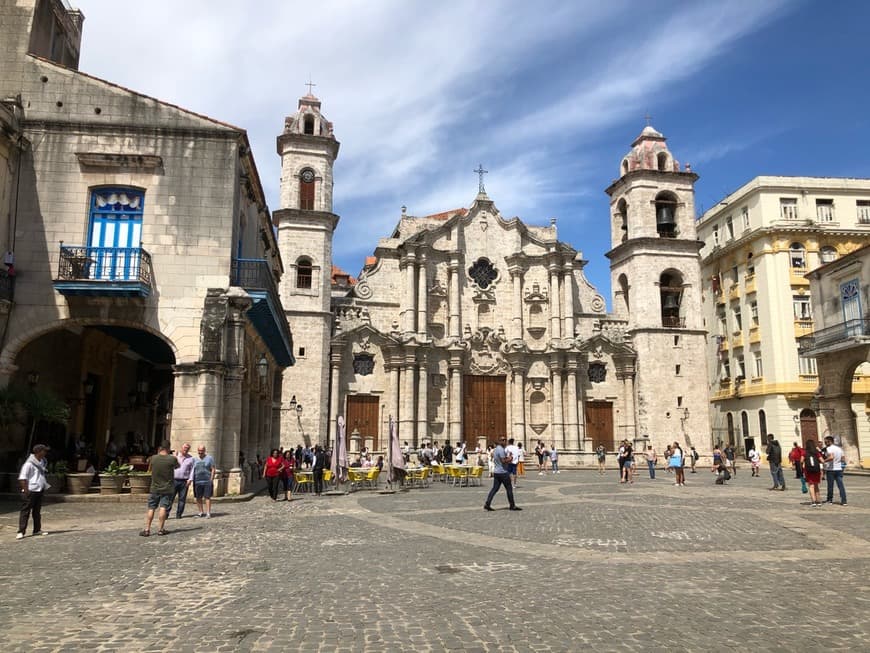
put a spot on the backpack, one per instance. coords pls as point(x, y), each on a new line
point(811, 462)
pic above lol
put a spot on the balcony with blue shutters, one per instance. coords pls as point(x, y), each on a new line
point(266, 314)
point(103, 271)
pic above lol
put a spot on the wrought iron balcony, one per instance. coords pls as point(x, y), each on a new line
point(840, 336)
point(95, 271)
point(673, 322)
point(267, 314)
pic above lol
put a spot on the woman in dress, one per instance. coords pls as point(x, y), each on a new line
point(273, 470)
point(289, 461)
point(677, 463)
point(812, 469)
point(627, 459)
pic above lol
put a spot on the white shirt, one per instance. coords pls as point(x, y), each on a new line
point(514, 452)
point(754, 456)
point(33, 471)
point(836, 454)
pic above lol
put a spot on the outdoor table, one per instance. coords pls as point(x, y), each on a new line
point(301, 479)
point(459, 473)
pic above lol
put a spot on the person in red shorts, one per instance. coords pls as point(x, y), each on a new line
point(813, 472)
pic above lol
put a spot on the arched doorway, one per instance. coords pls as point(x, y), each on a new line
point(809, 426)
point(116, 380)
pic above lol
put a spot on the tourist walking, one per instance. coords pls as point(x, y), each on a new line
point(32, 486)
point(500, 475)
point(321, 462)
point(774, 461)
point(729, 457)
point(812, 463)
point(677, 463)
point(601, 455)
point(521, 460)
point(627, 458)
point(287, 477)
point(554, 458)
point(693, 457)
point(163, 466)
point(202, 474)
point(651, 459)
point(513, 452)
point(795, 457)
point(835, 459)
point(181, 479)
point(540, 452)
point(273, 470)
point(754, 461)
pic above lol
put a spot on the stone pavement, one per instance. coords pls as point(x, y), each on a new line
point(587, 565)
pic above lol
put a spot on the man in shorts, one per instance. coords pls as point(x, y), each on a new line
point(202, 476)
point(163, 467)
point(514, 452)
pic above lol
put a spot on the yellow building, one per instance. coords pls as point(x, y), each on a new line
point(759, 244)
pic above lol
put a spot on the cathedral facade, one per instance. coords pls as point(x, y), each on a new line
point(467, 325)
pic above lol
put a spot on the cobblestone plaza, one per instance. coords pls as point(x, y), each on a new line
point(587, 565)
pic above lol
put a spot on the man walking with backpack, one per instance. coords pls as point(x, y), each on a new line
point(774, 460)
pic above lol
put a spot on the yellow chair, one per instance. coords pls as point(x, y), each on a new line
point(476, 475)
point(424, 477)
point(371, 478)
point(453, 474)
point(356, 476)
point(301, 480)
point(437, 471)
point(327, 475)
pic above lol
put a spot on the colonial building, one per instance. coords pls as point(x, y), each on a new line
point(759, 244)
point(840, 344)
point(146, 264)
point(467, 325)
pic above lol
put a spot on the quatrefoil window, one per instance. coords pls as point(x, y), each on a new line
point(363, 364)
point(483, 273)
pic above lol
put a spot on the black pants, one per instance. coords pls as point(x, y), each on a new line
point(497, 481)
point(31, 503)
point(317, 476)
point(272, 482)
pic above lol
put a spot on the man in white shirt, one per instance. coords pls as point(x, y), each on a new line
point(32, 485)
point(834, 461)
point(514, 451)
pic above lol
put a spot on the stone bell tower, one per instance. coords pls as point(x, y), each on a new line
point(306, 224)
point(655, 273)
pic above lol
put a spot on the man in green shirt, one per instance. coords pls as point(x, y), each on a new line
point(162, 488)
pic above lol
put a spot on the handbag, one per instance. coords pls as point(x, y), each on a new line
point(675, 461)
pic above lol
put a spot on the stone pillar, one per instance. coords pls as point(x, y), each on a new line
point(422, 400)
point(422, 299)
point(517, 307)
point(455, 321)
point(628, 417)
point(407, 401)
point(518, 403)
point(558, 418)
point(231, 437)
point(334, 399)
point(572, 434)
point(409, 312)
point(568, 286)
point(585, 443)
point(555, 318)
point(393, 405)
point(455, 390)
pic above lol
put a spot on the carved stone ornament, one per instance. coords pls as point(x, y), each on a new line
point(362, 289)
point(597, 372)
point(363, 363)
point(536, 295)
point(350, 316)
point(485, 356)
point(437, 289)
point(597, 304)
point(483, 273)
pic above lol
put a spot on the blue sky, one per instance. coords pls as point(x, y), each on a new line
point(548, 96)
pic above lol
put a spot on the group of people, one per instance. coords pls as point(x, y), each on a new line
point(810, 463)
point(280, 467)
point(627, 460)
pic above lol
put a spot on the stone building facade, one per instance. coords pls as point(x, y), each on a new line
point(759, 244)
point(147, 269)
point(467, 325)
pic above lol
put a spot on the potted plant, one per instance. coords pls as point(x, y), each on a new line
point(140, 482)
point(56, 476)
point(112, 478)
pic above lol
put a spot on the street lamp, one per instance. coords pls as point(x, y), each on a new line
point(32, 378)
point(263, 367)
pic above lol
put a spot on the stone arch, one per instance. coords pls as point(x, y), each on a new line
point(671, 298)
point(308, 124)
point(662, 161)
point(307, 184)
point(622, 283)
point(304, 272)
point(622, 217)
point(667, 205)
point(623, 168)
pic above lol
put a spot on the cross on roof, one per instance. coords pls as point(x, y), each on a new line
point(310, 84)
point(648, 119)
point(480, 172)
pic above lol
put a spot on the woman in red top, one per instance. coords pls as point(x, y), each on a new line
point(288, 473)
point(813, 471)
point(273, 470)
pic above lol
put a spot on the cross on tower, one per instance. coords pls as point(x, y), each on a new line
point(480, 172)
point(309, 84)
point(648, 118)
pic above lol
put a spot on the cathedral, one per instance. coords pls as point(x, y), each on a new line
point(467, 325)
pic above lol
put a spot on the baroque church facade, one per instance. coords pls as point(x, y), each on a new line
point(467, 325)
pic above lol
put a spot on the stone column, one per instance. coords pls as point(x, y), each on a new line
point(231, 438)
point(568, 283)
point(422, 399)
point(393, 405)
point(455, 321)
point(518, 403)
point(555, 318)
point(558, 418)
point(629, 424)
point(582, 367)
point(334, 399)
point(517, 319)
point(409, 303)
point(197, 407)
point(572, 434)
point(422, 298)
point(455, 367)
point(407, 401)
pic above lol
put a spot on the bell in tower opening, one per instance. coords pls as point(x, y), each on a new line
point(666, 223)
